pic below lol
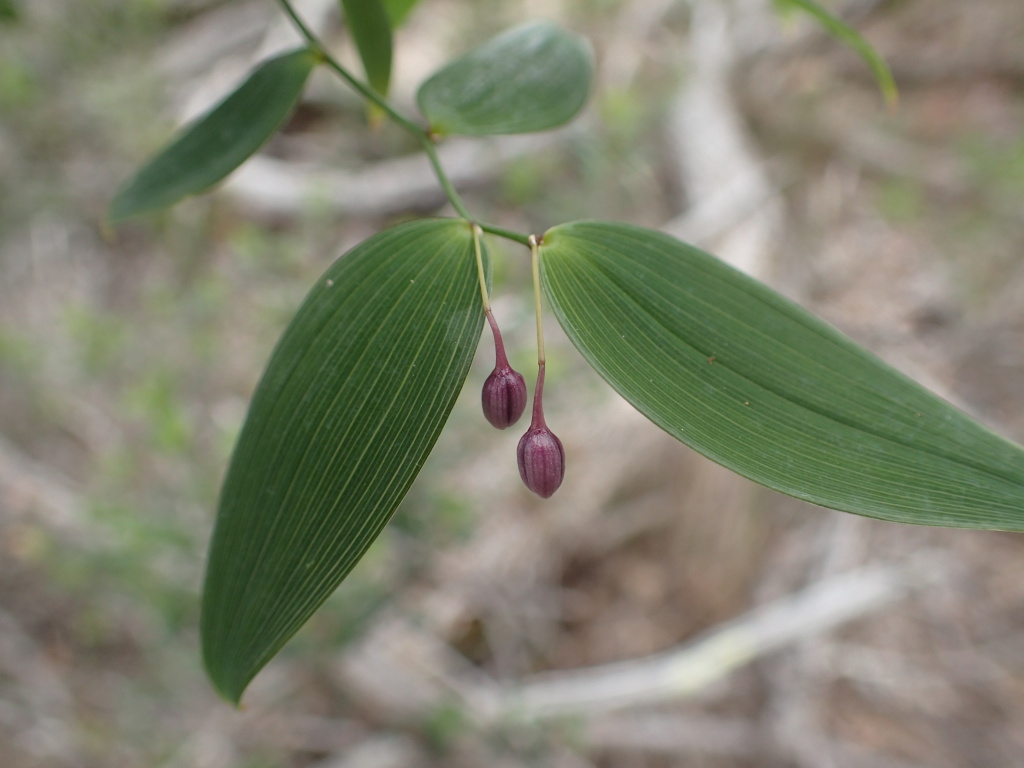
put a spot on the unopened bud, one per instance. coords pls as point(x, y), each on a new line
point(504, 392)
point(541, 460)
point(504, 396)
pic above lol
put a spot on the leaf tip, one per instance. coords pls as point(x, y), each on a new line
point(228, 686)
point(226, 676)
point(118, 210)
point(891, 96)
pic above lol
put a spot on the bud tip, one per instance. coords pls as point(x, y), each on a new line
point(541, 461)
point(504, 396)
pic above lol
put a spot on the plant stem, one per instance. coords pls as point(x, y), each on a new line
point(424, 138)
point(480, 272)
point(366, 91)
point(537, 417)
point(508, 234)
point(535, 254)
point(446, 184)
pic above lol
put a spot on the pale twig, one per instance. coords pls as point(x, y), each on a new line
point(799, 683)
point(225, 58)
point(627, 50)
point(692, 668)
point(714, 154)
point(268, 185)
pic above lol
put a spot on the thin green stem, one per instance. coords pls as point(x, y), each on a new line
point(446, 184)
point(480, 269)
point(424, 138)
point(366, 91)
point(508, 234)
point(535, 258)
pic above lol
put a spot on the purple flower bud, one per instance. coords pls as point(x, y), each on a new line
point(541, 460)
point(504, 396)
point(540, 453)
point(504, 393)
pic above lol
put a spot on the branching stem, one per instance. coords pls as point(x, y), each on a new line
point(366, 91)
point(424, 138)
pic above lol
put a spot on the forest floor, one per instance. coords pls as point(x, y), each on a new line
point(658, 610)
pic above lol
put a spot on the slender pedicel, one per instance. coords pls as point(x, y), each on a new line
point(504, 393)
point(540, 453)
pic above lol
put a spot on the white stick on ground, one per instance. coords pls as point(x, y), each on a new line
point(691, 668)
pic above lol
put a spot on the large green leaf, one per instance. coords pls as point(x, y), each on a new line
point(370, 26)
point(534, 77)
point(758, 384)
point(352, 400)
point(217, 143)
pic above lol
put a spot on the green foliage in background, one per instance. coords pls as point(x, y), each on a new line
point(370, 24)
point(531, 78)
point(842, 31)
point(218, 143)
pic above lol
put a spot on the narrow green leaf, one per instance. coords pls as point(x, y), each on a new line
point(531, 78)
point(370, 26)
point(843, 31)
point(351, 403)
point(756, 383)
point(217, 143)
point(399, 10)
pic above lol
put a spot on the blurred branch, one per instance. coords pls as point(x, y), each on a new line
point(690, 669)
point(219, 47)
point(799, 682)
point(273, 186)
point(405, 660)
point(715, 159)
point(630, 45)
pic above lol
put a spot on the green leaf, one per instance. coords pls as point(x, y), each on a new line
point(370, 26)
point(399, 10)
point(843, 31)
point(531, 78)
point(217, 143)
point(754, 382)
point(8, 11)
point(352, 400)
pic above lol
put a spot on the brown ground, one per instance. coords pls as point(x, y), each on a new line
point(125, 366)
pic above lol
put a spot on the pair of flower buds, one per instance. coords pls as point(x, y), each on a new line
point(540, 453)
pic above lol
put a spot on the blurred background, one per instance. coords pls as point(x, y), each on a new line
point(658, 611)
